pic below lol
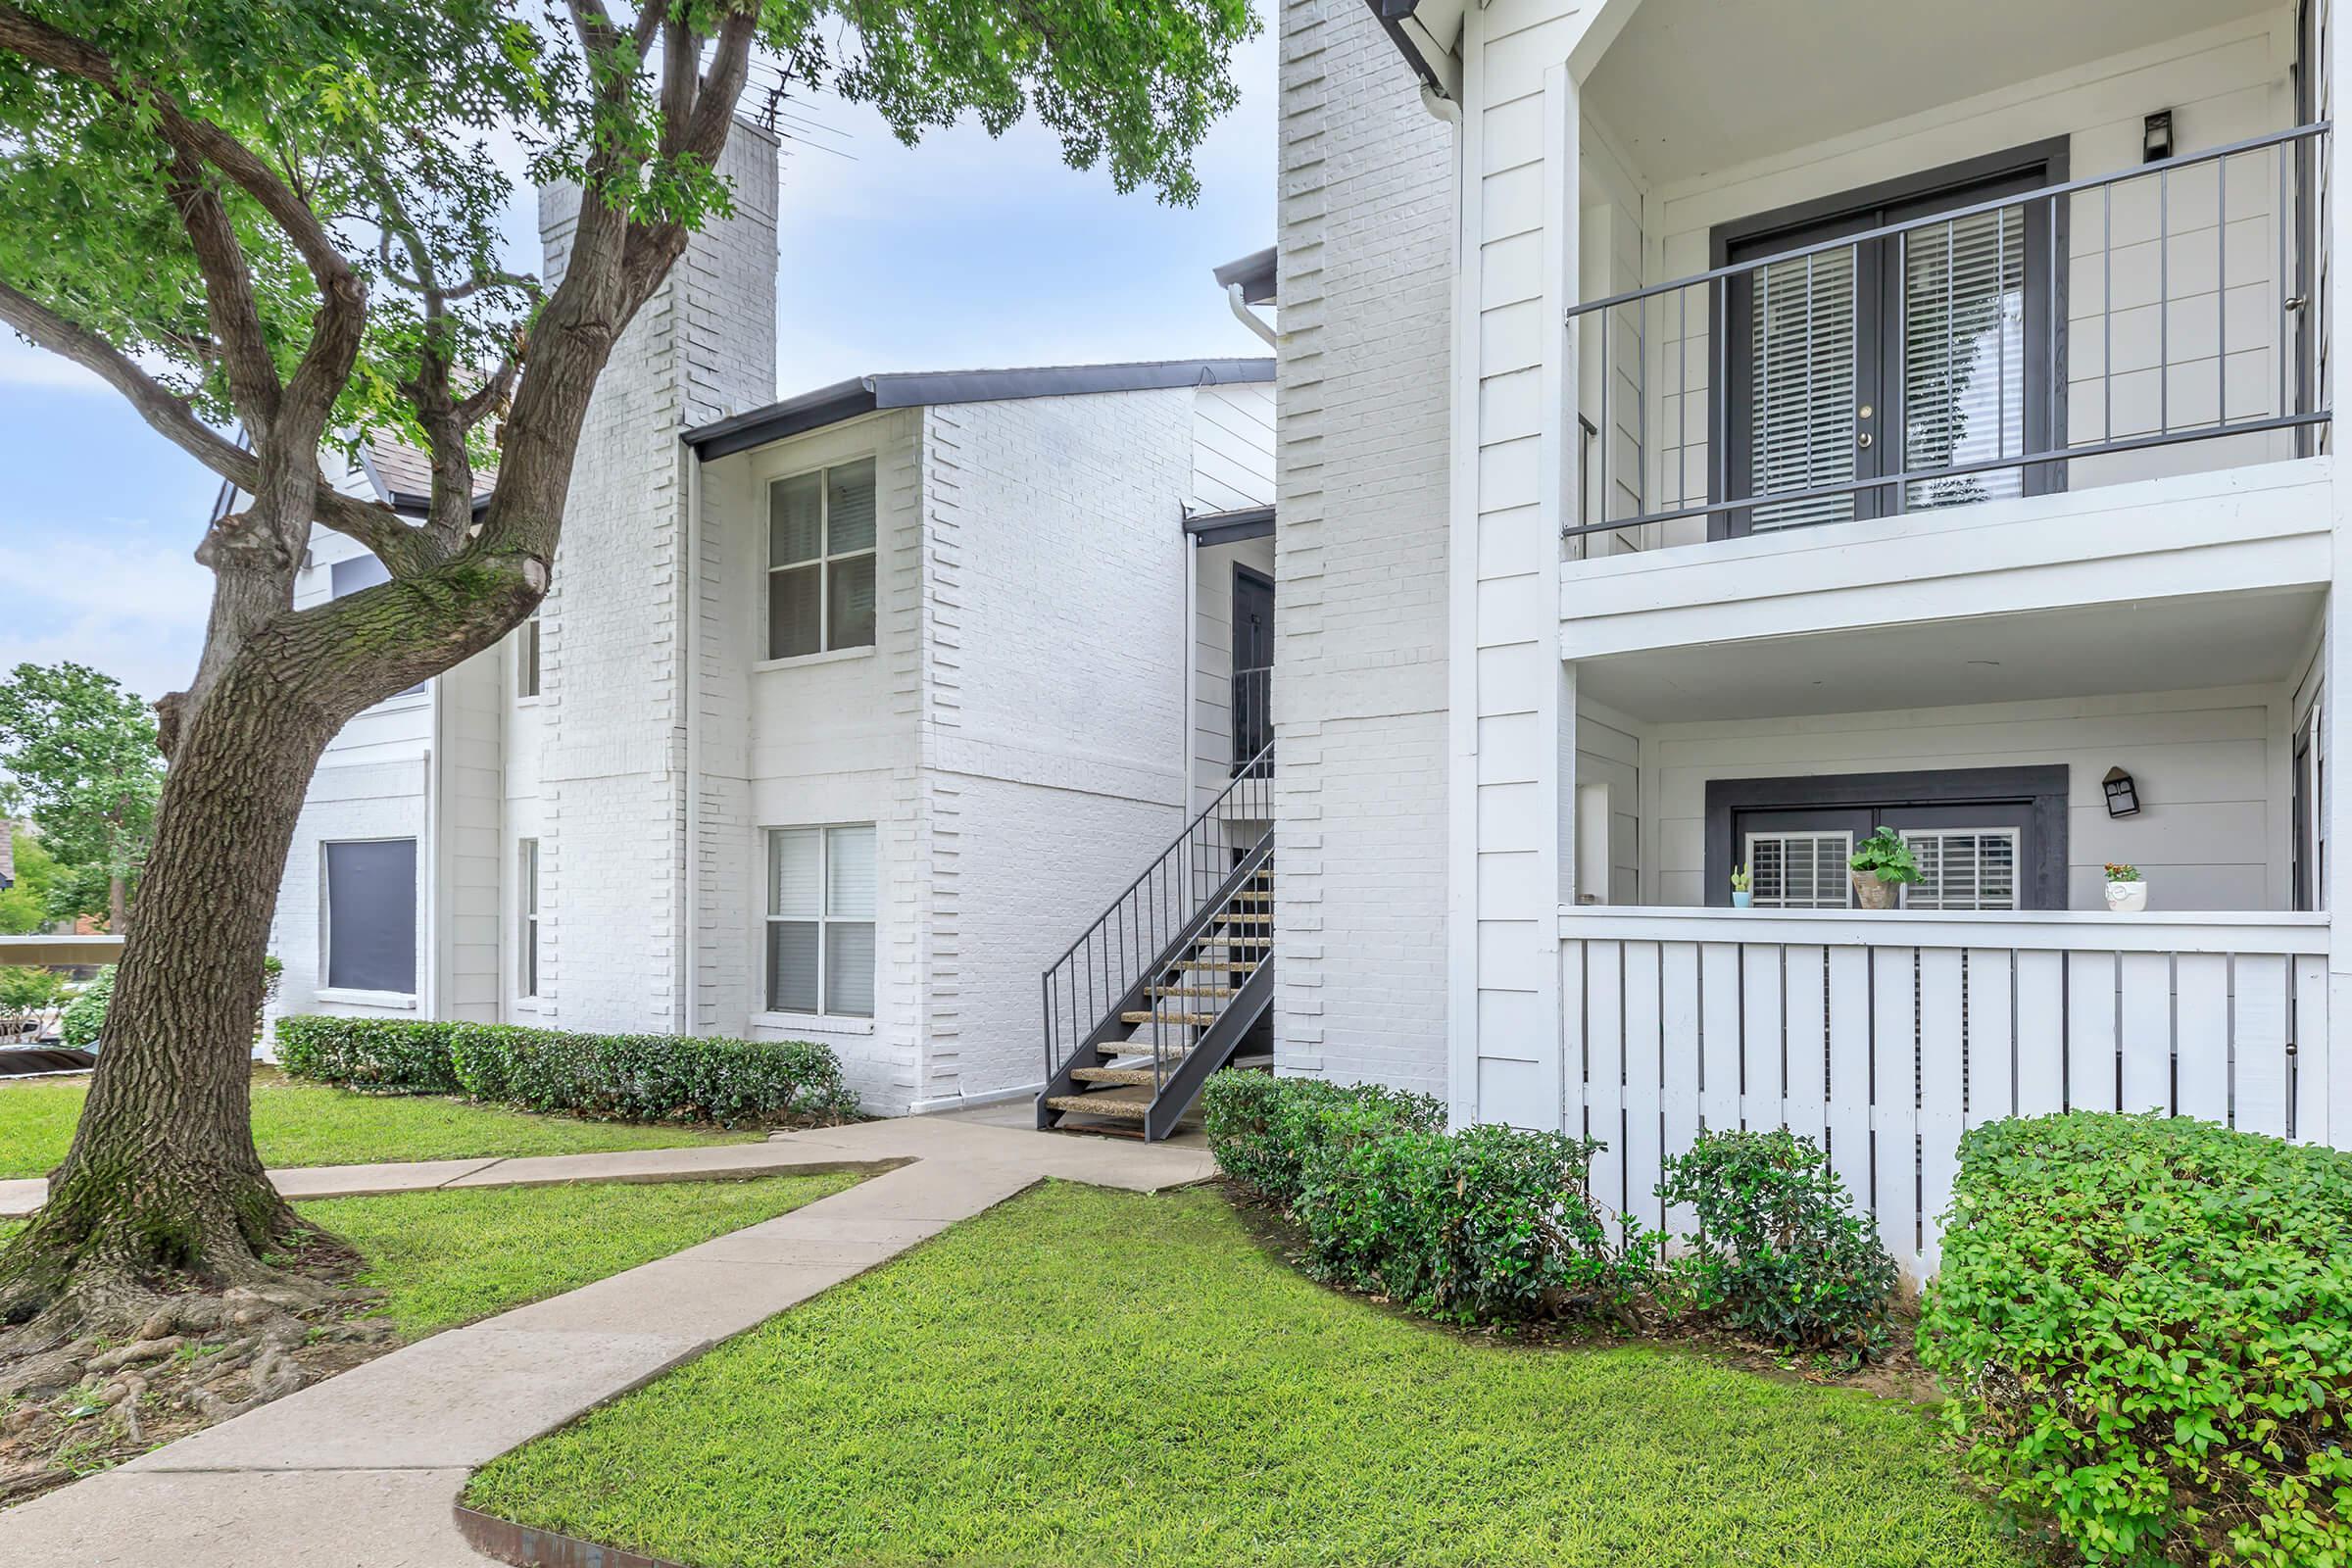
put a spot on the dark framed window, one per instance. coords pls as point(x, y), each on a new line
point(370, 935)
point(822, 560)
point(1986, 837)
point(1912, 352)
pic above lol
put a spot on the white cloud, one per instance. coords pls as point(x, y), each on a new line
point(22, 365)
point(133, 606)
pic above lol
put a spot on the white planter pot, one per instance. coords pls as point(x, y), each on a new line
point(2126, 897)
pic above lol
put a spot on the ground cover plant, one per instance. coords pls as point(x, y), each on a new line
point(1089, 1376)
point(307, 1124)
point(416, 1263)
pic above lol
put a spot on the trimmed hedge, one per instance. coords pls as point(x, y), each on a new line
point(1261, 1128)
point(2147, 1328)
point(608, 1077)
point(1486, 1224)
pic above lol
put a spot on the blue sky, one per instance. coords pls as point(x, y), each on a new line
point(963, 252)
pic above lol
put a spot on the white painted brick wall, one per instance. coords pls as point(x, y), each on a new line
point(612, 654)
point(1359, 684)
point(1054, 725)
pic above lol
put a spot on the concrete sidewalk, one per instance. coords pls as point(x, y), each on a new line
point(361, 1471)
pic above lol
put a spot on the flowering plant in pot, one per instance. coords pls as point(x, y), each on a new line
point(1880, 863)
point(1743, 887)
point(2127, 889)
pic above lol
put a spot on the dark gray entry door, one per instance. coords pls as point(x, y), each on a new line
point(1253, 663)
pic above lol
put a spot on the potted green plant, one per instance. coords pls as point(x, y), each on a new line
point(1743, 885)
point(1880, 863)
point(2127, 889)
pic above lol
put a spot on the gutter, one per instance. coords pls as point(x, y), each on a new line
point(1248, 318)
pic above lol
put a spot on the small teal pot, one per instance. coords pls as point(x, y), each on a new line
point(1740, 901)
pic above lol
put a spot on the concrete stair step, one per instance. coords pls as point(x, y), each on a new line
point(1118, 1075)
point(1196, 990)
point(1201, 1019)
point(1127, 1103)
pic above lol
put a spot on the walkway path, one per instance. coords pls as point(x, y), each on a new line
point(361, 1471)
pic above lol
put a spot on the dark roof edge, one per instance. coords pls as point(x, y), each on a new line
point(846, 400)
point(1225, 527)
point(1256, 273)
point(1392, 16)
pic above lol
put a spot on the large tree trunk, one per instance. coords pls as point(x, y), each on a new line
point(161, 1177)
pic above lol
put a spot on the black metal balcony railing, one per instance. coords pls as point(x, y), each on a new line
point(2020, 344)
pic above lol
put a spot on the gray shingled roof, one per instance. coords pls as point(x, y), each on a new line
point(846, 400)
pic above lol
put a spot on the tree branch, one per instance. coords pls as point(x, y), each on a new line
point(378, 527)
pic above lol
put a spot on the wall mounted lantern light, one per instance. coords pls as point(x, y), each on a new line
point(2123, 796)
point(2156, 138)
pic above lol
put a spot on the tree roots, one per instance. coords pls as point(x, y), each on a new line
point(115, 1362)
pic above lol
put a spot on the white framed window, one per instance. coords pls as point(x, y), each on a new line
point(1801, 870)
point(820, 561)
point(526, 917)
point(821, 885)
point(1962, 868)
point(370, 935)
point(527, 659)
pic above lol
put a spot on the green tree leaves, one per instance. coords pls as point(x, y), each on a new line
point(83, 753)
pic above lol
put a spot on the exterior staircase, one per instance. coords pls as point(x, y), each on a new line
point(1166, 986)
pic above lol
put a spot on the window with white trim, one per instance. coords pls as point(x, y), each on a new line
point(370, 936)
point(1799, 871)
point(526, 917)
point(821, 890)
point(1962, 868)
point(820, 561)
point(527, 659)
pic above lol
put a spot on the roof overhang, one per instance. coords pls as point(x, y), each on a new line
point(1230, 527)
point(1257, 273)
point(1426, 33)
point(866, 394)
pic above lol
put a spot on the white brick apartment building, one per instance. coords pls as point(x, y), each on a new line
point(842, 715)
point(1709, 433)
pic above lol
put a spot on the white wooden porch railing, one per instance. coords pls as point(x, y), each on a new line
point(1885, 1036)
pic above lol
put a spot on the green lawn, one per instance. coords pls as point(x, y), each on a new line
point(448, 1257)
point(305, 1124)
point(444, 1259)
point(1085, 1376)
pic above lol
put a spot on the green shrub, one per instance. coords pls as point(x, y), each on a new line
point(1779, 1251)
point(1488, 1224)
point(85, 1017)
point(1260, 1128)
point(83, 1022)
point(2146, 1328)
point(375, 1055)
point(607, 1077)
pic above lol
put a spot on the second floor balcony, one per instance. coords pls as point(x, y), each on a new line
point(1892, 321)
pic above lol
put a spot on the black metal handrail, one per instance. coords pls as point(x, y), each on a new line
point(2299, 238)
point(1112, 963)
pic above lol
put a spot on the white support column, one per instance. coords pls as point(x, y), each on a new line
point(1513, 774)
point(2334, 390)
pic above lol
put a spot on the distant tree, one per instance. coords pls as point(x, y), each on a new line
point(286, 215)
point(24, 904)
point(25, 993)
point(82, 752)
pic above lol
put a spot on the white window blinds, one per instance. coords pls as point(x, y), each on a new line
point(1799, 871)
point(1962, 868)
point(1964, 355)
point(822, 888)
point(1801, 345)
